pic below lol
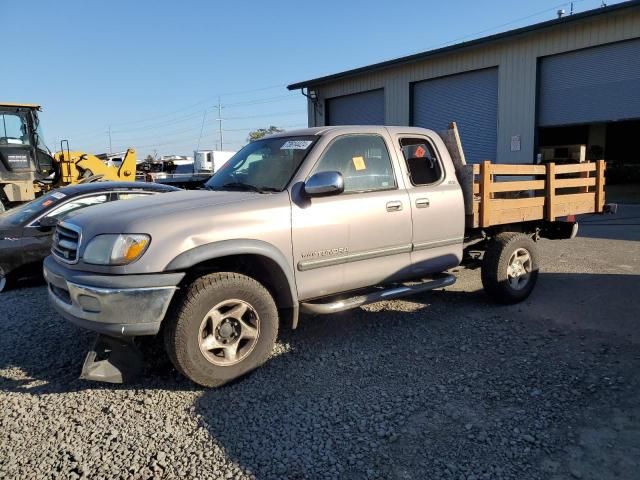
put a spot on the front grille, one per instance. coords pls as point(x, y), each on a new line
point(66, 241)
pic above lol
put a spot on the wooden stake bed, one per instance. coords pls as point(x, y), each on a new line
point(551, 191)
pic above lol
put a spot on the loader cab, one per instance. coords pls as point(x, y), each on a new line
point(23, 153)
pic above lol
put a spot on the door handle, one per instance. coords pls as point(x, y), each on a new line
point(394, 206)
point(422, 203)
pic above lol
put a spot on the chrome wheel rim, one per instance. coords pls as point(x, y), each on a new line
point(519, 269)
point(229, 332)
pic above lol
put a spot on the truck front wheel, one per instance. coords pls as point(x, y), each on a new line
point(510, 267)
point(224, 326)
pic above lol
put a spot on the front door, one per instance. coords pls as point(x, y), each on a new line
point(360, 237)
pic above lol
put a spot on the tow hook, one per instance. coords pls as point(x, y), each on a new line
point(113, 360)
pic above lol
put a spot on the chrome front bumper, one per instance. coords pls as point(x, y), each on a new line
point(118, 310)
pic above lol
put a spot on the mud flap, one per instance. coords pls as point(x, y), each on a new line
point(113, 360)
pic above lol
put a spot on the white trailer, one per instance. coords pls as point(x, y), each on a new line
point(210, 160)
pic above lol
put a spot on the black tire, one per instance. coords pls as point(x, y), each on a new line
point(6, 280)
point(496, 280)
point(183, 333)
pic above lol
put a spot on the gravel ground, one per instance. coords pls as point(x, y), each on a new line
point(442, 385)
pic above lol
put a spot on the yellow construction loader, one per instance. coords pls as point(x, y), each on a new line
point(80, 166)
point(28, 168)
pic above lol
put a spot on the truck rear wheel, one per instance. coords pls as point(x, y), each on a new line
point(224, 326)
point(510, 267)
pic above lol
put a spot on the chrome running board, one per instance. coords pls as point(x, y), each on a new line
point(323, 308)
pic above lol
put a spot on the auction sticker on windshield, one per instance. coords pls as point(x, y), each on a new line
point(58, 195)
point(296, 145)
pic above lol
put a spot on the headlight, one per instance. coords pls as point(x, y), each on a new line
point(116, 249)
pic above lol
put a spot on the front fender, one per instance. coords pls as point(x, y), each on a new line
point(226, 248)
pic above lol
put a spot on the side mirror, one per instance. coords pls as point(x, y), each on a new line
point(48, 222)
point(324, 184)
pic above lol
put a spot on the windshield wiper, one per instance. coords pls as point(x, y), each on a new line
point(248, 186)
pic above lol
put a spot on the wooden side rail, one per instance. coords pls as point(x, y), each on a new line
point(555, 191)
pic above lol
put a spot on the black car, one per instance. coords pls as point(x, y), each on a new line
point(25, 231)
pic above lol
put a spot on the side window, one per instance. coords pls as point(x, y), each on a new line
point(13, 129)
point(363, 161)
point(422, 163)
point(73, 205)
point(129, 196)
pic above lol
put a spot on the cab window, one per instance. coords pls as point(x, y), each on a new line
point(422, 163)
point(13, 129)
point(363, 161)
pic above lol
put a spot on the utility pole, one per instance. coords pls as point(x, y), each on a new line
point(220, 121)
point(110, 148)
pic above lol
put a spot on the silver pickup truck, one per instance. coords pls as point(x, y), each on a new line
point(315, 221)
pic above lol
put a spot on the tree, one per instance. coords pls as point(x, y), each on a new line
point(261, 132)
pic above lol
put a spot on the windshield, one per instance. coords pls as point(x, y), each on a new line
point(19, 215)
point(13, 129)
point(263, 165)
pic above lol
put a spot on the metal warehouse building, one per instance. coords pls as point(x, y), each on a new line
point(574, 80)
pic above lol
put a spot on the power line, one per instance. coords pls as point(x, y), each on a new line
point(509, 23)
point(255, 128)
point(191, 129)
point(263, 100)
point(190, 116)
point(188, 139)
point(195, 125)
point(293, 112)
point(204, 116)
point(194, 105)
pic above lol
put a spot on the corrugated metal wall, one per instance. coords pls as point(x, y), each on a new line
point(517, 58)
point(471, 99)
point(597, 84)
point(365, 108)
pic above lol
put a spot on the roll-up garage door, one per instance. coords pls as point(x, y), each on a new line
point(597, 84)
point(358, 109)
point(471, 100)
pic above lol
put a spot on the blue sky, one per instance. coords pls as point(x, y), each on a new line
point(149, 70)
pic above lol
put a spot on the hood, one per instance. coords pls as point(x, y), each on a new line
point(122, 216)
point(181, 221)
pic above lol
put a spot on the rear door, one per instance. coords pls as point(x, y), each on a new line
point(436, 203)
point(361, 237)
